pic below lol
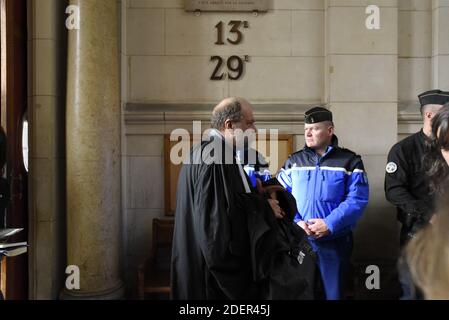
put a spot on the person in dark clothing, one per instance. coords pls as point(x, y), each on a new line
point(211, 257)
point(436, 161)
point(406, 185)
point(427, 253)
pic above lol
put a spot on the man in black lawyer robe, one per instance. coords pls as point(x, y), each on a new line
point(211, 256)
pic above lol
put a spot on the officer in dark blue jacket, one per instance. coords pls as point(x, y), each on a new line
point(331, 189)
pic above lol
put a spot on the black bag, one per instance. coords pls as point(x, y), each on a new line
point(281, 256)
point(295, 272)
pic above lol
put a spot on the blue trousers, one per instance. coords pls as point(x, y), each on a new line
point(333, 261)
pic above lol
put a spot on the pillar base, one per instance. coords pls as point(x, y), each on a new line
point(115, 293)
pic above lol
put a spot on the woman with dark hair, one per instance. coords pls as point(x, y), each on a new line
point(428, 253)
point(436, 161)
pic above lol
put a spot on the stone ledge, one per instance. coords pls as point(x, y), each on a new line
point(159, 113)
point(156, 113)
point(408, 112)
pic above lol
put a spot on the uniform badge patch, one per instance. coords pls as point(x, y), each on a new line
point(392, 167)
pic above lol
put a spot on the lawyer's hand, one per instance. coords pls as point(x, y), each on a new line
point(277, 210)
point(270, 190)
point(305, 227)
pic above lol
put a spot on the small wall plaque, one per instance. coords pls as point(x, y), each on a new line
point(226, 5)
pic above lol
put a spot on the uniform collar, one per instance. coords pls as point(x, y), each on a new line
point(423, 136)
point(421, 133)
point(332, 146)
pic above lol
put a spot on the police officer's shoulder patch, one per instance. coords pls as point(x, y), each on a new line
point(391, 167)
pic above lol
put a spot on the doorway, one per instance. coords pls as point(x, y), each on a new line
point(13, 118)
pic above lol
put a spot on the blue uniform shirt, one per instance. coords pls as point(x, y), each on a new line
point(253, 174)
point(333, 187)
point(258, 170)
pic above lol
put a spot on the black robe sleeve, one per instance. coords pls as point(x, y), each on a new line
point(221, 231)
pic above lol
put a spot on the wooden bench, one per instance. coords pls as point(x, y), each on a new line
point(154, 272)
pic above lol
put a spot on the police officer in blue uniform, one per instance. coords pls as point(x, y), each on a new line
point(331, 190)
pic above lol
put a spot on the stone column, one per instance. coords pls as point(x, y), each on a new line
point(440, 56)
point(361, 88)
point(93, 152)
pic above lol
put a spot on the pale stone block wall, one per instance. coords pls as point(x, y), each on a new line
point(362, 89)
point(168, 53)
point(440, 53)
point(415, 49)
point(46, 104)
